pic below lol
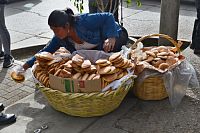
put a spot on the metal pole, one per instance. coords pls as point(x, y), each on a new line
point(121, 22)
point(169, 19)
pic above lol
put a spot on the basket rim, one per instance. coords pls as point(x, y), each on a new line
point(175, 43)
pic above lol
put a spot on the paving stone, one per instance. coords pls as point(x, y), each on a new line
point(27, 89)
point(15, 87)
point(12, 83)
point(2, 100)
point(10, 101)
point(5, 81)
point(3, 92)
point(3, 86)
point(23, 94)
point(15, 98)
point(29, 83)
point(12, 94)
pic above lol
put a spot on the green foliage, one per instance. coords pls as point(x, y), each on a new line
point(138, 2)
point(79, 5)
point(129, 2)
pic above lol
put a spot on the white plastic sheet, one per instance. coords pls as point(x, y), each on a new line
point(176, 80)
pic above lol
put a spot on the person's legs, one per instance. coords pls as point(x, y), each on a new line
point(92, 6)
point(115, 7)
point(1, 15)
point(196, 31)
point(121, 40)
point(5, 40)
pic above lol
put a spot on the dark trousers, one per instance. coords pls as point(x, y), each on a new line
point(114, 9)
point(4, 34)
point(196, 30)
point(121, 40)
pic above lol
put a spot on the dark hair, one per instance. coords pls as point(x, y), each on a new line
point(59, 18)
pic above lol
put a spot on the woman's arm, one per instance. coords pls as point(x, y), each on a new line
point(51, 47)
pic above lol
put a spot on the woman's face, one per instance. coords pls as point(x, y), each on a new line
point(60, 32)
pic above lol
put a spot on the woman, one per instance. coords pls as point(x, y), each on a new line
point(4, 39)
point(196, 31)
point(86, 31)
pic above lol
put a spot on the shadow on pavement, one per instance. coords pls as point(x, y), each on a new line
point(3, 72)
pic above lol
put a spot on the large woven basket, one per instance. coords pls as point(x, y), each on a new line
point(152, 88)
point(87, 104)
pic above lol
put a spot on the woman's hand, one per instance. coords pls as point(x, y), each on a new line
point(25, 66)
point(109, 44)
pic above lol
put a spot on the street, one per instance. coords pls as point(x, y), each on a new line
point(27, 23)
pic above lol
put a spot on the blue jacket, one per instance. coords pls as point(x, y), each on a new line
point(3, 1)
point(92, 28)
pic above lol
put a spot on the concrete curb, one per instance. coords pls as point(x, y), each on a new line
point(27, 51)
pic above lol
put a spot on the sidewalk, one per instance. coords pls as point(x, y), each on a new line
point(133, 116)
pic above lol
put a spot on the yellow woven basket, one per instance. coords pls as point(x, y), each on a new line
point(87, 104)
point(152, 88)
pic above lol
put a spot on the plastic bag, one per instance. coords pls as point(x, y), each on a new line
point(178, 80)
point(18, 69)
point(115, 84)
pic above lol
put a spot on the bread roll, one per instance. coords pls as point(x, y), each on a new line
point(77, 59)
point(149, 59)
point(86, 64)
point(17, 77)
point(101, 61)
point(163, 66)
point(163, 54)
point(110, 77)
point(171, 61)
point(97, 76)
point(57, 72)
point(85, 76)
point(44, 55)
point(91, 76)
point(113, 70)
point(157, 63)
point(76, 76)
point(105, 70)
point(114, 56)
point(66, 74)
point(162, 49)
point(151, 53)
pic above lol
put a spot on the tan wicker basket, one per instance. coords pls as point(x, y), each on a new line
point(152, 88)
point(87, 104)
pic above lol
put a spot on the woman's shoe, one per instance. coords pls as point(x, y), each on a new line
point(1, 107)
point(196, 51)
point(7, 119)
point(8, 61)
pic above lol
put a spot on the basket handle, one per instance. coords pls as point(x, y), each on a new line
point(160, 35)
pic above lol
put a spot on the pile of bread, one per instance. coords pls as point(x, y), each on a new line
point(160, 58)
point(45, 62)
point(76, 67)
